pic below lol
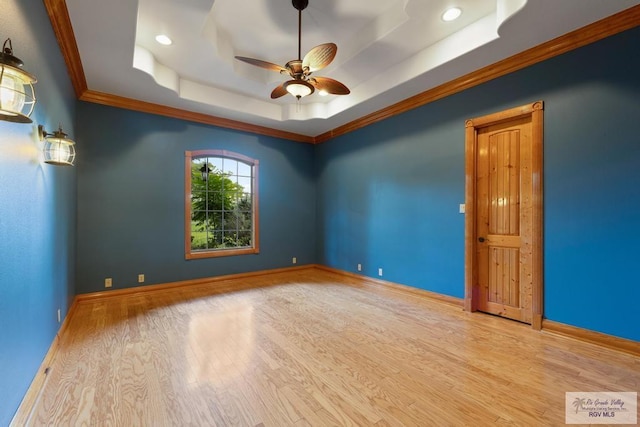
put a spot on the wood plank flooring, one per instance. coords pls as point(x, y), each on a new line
point(312, 348)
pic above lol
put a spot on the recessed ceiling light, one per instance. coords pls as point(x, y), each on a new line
point(162, 39)
point(451, 14)
point(323, 92)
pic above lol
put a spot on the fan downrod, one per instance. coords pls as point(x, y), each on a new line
point(300, 4)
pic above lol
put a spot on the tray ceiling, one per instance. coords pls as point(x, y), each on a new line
point(388, 50)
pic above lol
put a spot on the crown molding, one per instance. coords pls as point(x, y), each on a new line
point(177, 113)
point(61, 23)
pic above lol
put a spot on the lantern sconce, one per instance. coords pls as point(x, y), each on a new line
point(58, 149)
point(17, 97)
point(205, 170)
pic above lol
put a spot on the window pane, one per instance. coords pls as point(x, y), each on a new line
point(222, 182)
point(230, 166)
point(198, 239)
point(215, 220)
point(199, 161)
point(198, 218)
point(214, 239)
point(230, 220)
point(214, 201)
point(244, 238)
point(229, 201)
point(196, 173)
point(244, 204)
point(244, 221)
point(198, 201)
point(245, 183)
point(230, 238)
point(216, 164)
point(244, 169)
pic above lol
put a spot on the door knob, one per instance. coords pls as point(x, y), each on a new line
point(481, 239)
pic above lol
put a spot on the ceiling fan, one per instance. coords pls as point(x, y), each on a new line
point(302, 83)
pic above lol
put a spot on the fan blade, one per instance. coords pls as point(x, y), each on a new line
point(278, 92)
point(263, 64)
point(331, 86)
point(320, 56)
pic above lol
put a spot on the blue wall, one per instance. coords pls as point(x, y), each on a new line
point(388, 198)
point(37, 210)
point(131, 199)
point(388, 194)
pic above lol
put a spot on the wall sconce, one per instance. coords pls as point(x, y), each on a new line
point(58, 149)
point(205, 170)
point(17, 97)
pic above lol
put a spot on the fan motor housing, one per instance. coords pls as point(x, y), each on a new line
point(295, 68)
point(300, 4)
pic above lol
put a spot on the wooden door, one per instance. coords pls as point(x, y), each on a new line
point(504, 191)
point(504, 222)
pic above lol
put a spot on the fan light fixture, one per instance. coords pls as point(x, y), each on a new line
point(17, 97)
point(298, 88)
point(58, 149)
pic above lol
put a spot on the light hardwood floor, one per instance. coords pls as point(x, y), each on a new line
point(312, 348)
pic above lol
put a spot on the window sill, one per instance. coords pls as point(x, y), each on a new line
point(221, 253)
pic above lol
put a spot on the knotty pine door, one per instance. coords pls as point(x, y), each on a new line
point(506, 225)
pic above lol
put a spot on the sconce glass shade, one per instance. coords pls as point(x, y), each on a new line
point(17, 97)
point(299, 88)
point(58, 149)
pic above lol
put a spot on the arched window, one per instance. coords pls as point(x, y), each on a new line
point(221, 204)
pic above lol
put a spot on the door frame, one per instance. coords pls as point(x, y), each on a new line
point(472, 291)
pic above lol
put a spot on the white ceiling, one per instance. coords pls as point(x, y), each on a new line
point(388, 50)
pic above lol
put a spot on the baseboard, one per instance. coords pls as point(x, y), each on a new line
point(598, 338)
point(395, 287)
point(182, 283)
point(31, 397)
point(390, 286)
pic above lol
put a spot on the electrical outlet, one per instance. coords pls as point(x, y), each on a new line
point(58, 315)
point(359, 267)
point(463, 208)
point(108, 282)
point(294, 260)
point(140, 278)
point(380, 272)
